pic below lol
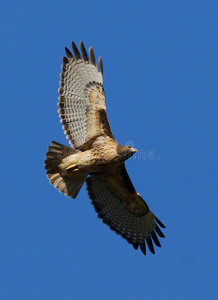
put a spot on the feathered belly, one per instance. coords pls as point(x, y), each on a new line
point(94, 160)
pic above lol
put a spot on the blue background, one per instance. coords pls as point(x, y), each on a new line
point(161, 74)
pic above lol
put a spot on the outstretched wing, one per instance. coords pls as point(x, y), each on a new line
point(123, 209)
point(82, 107)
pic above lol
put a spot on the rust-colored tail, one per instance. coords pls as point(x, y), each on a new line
point(66, 182)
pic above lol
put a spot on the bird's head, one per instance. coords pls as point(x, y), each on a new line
point(126, 152)
point(132, 150)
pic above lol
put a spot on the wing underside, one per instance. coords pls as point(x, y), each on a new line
point(124, 210)
point(82, 108)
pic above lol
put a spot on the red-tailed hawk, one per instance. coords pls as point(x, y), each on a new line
point(95, 155)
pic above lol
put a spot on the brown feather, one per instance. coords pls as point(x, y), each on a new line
point(122, 208)
point(92, 57)
point(100, 64)
point(104, 122)
point(68, 53)
point(76, 51)
point(95, 152)
point(84, 53)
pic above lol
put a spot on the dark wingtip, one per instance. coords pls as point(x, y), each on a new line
point(150, 244)
point(100, 64)
point(135, 245)
point(159, 232)
point(155, 239)
point(160, 223)
point(143, 248)
point(68, 53)
point(83, 51)
point(92, 57)
point(76, 51)
point(64, 60)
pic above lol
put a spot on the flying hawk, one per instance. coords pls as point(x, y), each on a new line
point(95, 155)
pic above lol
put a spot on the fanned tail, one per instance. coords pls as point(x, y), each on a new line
point(66, 182)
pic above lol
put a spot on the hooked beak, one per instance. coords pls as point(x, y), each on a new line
point(134, 150)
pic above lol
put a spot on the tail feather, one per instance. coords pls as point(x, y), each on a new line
point(67, 183)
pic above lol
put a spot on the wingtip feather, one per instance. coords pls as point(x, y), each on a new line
point(68, 53)
point(159, 232)
point(64, 60)
point(160, 223)
point(76, 51)
point(84, 53)
point(143, 248)
point(92, 57)
point(150, 244)
point(100, 64)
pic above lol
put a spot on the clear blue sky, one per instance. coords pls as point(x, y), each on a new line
point(161, 76)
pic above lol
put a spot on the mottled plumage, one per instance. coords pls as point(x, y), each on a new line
point(95, 155)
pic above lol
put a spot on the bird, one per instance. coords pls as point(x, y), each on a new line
point(95, 156)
